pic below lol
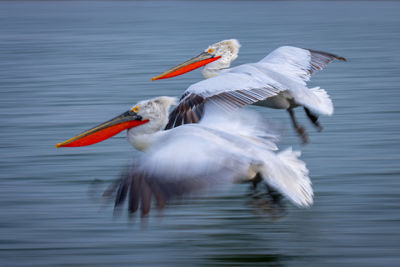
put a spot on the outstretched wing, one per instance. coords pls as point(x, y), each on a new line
point(236, 88)
point(298, 63)
point(185, 161)
point(140, 187)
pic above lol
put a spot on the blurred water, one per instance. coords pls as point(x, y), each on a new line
point(65, 66)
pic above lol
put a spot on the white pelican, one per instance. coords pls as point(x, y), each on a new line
point(277, 81)
point(220, 150)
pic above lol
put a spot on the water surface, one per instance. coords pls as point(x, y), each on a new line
point(66, 66)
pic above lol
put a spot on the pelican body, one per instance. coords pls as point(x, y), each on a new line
point(220, 150)
point(277, 81)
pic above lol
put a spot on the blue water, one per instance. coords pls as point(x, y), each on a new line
point(66, 66)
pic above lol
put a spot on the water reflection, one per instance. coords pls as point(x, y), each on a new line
point(248, 259)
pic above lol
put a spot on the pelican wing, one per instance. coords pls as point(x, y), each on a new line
point(297, 63)
point(236, 88)
point(141, 186)
point(185, 161)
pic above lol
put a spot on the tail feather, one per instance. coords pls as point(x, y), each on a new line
point(289, 175)
point(321, 102)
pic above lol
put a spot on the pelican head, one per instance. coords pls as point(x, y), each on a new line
point(215, 58)
point(156, 111)
point(146, 117)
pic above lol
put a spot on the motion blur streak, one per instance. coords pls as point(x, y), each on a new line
point(66, 65)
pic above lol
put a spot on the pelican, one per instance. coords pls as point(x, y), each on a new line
point(220, 150)
point(277, 81)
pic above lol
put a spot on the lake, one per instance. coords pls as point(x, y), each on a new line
point(67, 65)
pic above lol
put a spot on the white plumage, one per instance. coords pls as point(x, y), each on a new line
point(276, 81)
point(220, 150)
point(223, 148)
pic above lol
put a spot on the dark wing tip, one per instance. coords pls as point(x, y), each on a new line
point(140, 189)
point(330, 55)
point(135, 188)
point(189, 110)
point(320, 60)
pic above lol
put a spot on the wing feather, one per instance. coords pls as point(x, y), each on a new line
point(320, 60)
point(301, 63)
point(191, 107)
point(186, 164)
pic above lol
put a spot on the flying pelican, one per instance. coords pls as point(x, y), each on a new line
point(277, 81)
point(218, 151)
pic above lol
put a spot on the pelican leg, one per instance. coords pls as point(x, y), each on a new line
point(256, 181)
point(274, 195)
point(266, 202)
point(299, 129)
point(313, 118)
point(271, 193)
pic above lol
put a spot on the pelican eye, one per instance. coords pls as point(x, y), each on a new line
point(136, 109)
point(210, 50)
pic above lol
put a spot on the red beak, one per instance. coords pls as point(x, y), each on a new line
point(192, 64)
point(105, 130)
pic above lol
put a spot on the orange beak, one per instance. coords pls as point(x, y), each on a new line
point(105, 130)
point(192, 64)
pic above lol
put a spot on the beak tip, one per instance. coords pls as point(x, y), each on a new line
point(153, 78)
point(62, 144)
